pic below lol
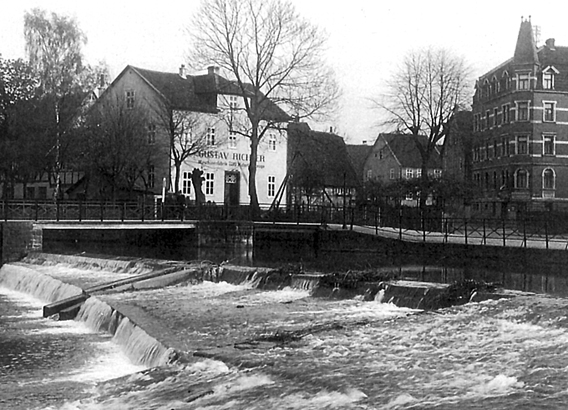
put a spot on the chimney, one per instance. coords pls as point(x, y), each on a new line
point(550, 43)
point(364, 142)
point(212, 70)
point(182, 73)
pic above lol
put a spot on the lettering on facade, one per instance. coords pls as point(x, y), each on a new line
point(219, 157)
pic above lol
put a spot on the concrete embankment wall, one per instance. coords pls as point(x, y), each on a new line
point(17, 239)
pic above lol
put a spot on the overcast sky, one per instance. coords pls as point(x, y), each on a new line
point(367, 38)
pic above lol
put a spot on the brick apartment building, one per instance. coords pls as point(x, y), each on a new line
point(520, 131)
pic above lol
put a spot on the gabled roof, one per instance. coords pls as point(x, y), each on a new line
point(358, 155)
point(198, 93)
point(321, 153)
point(403, 147)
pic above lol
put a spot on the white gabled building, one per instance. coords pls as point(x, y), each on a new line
point(204, 113)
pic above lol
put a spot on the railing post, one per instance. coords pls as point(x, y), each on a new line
point(546, 231)
point(352, 217)
point(376, 224)
point(445, 230)
point(162, 209)
point(400, 224)
point(5, 203)
point(123, 211)
point(80, 211)
point(504, 233)
point(102, 211)
point(422, 226)
point(465, 229)
point(484, 241)
point(57, 210)
point(36, 211)
point(525, 232)
point(143, 208)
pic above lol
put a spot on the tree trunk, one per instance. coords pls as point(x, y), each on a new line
point(254, 205)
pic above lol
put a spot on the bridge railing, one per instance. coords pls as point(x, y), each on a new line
point(405, 222)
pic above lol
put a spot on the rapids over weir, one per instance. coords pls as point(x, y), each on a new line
point(217, 336)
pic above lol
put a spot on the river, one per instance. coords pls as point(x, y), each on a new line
point(499, 354)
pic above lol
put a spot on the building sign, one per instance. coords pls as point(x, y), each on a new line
point(230, 159)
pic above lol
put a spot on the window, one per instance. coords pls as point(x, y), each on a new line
point(271, 185)
point(496, 116)
point(522, 145)
point(209, 183)
point(549, 114)
point(369, 174)
point(186, 138)
point(506, 117)
point(548, 179)
point(548, 145)
point(151, 134)
point(437, 173)
point(381, 154)
point(392, 173)
point(522, 111)
point(186, 183)
point(523, 82)
point(233, 102)
point(232, 139)
point(548, 78)
point(130, 99)
point(521, 179)
point(487, 123)
point(409, 173)
point(419, 173)
point(505, 81)
point(548, 81)
point(151, 176)
point(272, 141)
point(210, 137)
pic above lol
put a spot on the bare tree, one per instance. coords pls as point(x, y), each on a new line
point(116, 152)
point(423, 95)
point(274, 56)
point(187, 133)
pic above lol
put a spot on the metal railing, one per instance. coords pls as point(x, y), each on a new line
point(402, 223)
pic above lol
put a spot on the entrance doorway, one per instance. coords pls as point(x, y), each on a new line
point(232, 194)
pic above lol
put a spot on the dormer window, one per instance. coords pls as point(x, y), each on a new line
point(496, 88)
point(548, 77)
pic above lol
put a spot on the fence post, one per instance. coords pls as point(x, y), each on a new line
point(504, 233)
point(446, 230)
point(352, 217)
point(465, 229)
point(143, 208)
point(57, 210)
point(5, 203)
point(80, 211)
point(525, 232)
point(123, 212)
point(36, 210)
point(484, 241)
point(102, 211)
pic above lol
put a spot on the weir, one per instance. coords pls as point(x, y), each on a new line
point(140, 347)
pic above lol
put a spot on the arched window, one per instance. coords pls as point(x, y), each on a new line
point(548, 179)
point(505, 80)
point(521, 178)
point(495, 85)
